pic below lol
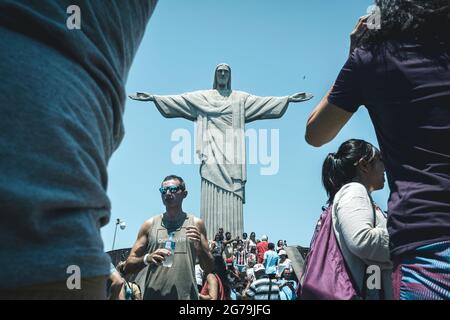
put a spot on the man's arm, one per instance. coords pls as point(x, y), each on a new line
point(198, 236)
point(117, 286)
point(325, 122)
point(135, 261)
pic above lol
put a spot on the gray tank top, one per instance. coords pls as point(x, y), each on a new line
point(178, 281)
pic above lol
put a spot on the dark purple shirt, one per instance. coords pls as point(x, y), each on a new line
point(407, 94)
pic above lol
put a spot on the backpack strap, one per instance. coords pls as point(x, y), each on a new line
point(366, 276)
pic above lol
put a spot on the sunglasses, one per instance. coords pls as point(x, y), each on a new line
point(172, 189)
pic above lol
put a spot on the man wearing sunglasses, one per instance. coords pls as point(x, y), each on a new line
point(173, 236)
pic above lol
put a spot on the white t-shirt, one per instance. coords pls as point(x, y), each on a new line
point(198, 275)
point(250, 273)
point(251, 245)
point(287, 264)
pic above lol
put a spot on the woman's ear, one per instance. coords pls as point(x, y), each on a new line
point(185, 193)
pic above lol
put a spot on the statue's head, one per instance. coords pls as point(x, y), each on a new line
point(222, 77)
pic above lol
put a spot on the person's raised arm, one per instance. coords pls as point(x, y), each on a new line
point(325, 122)
point(197, 234)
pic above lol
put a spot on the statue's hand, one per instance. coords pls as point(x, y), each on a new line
point(300, 97)
point(142, 96)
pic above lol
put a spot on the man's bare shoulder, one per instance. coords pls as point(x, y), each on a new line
point(199, 224)
point(197, 220)
point(149, 222)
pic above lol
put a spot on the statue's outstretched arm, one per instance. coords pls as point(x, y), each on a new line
point(300, 97)
point(142, 96)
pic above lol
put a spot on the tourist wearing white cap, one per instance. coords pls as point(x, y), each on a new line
point(262, 288)
point(283, 263)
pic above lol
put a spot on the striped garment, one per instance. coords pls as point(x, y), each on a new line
point(240, 258)
point(260, 289)
point(425, 275)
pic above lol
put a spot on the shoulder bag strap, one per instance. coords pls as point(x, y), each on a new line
point(366, 276)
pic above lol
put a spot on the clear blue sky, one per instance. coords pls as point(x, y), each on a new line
point(274, 48)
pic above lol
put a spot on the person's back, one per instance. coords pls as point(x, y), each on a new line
point(271, 261)
point(264, 289)
point(362, 241)
point(61, 99)
point(406, 89)
point(261, 248)
point(219, 291)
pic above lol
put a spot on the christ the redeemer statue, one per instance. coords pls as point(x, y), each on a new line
point(219, 112)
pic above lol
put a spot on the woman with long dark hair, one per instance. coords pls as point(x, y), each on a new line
point(399, 68)
point(350, 176)
point(216, 286)
point(280, 245)
point(252, 243)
